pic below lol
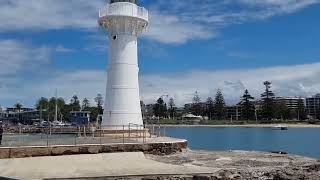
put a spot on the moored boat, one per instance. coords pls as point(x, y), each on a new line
point(280, 127)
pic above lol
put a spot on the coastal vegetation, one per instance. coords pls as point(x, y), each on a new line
point(213, 111)
point(47, 107)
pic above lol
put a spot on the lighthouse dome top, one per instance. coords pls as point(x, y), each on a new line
point(130, 1)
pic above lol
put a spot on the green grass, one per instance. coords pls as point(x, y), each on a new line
point(168, 121)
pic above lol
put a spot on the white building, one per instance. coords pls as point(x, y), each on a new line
point(313, 106)
point(291, 102)
point(124, 20)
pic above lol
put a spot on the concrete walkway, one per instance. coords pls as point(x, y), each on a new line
point(97, 165)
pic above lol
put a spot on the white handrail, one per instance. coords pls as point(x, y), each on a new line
point(124, 9)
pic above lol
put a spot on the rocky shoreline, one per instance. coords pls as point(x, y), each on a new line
point(243, 165)
point(185, 165)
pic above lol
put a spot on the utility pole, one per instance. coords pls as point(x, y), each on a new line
point(56, 110)
point(255, 113)
point(237, 113)
point(314, 108)
point(40, 112)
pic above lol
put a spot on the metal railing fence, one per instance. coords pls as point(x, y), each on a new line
point(75, 135)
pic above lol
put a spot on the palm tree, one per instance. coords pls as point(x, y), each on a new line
point(18, 107)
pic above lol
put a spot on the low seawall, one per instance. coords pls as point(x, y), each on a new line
point(163, 148)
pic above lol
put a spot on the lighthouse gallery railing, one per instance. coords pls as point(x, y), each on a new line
point(124, 9)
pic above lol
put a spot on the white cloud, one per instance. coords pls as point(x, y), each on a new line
point(285, 4)
point(174, 21)
point(269, 8)
point(170, 29)
point(62, 49)
point(178, 21)
point(300, 80)
point(16, 56)
point(85, 83)
point(48, 14)
point(295, 80)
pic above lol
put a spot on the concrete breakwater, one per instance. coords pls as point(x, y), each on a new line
point(160, 158)
point(156, 148)
point(91, 166)
point(197, 165)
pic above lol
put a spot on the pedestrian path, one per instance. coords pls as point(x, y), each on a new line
point(96, 165)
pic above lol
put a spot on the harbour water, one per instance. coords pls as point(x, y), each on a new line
point(300, 141)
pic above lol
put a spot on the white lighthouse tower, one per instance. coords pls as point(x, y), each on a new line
point(124, 20)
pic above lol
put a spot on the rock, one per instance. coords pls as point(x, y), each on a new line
point(281, 177)
point(4, 153)
point(216, 177)
point(248, 165)
point(313, 167)
point(201, 177)
point(225, 174)
point(235, 176)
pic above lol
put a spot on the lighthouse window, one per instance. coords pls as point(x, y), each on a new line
point(114, 37)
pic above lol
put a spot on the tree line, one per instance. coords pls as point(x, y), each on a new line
point(267, 108)
point(47, 107)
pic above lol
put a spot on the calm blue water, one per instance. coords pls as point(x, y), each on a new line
point(300, 141)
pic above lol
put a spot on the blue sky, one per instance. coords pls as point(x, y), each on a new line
point(190, 45)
